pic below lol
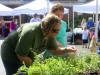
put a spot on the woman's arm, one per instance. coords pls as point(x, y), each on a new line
point(59, 44)
point(60, 51)
point(26, 60)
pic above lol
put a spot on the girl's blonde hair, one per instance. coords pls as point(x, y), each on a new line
point(56, 7)
point(85, 27)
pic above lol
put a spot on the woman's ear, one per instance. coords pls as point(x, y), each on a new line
point(43, 22)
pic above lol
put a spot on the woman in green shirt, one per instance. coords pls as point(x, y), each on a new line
point(15, 49)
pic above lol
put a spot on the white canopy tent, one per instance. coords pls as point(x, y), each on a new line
point(87, 8)
point(91, 7)
point(4, 10)
point(37, 6)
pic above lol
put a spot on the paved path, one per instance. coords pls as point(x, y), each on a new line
point(2, 70)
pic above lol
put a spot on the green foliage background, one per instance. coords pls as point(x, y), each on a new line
point(78, 19)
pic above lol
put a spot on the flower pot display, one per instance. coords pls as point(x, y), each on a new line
point(34, 70)
point(71, 55)
point(87, 64)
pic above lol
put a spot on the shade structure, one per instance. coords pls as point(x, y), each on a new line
point(37, 6)
point(4, 10)
point(87, 8)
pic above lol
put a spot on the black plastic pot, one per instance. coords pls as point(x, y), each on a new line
point(22, 72)
point(94, 73)
point(80, 74)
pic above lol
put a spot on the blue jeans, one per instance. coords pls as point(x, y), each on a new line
point(16, 26)
point(3, 30)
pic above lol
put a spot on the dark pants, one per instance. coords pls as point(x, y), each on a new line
point(10, 68)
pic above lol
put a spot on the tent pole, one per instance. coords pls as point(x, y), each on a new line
point(68, 20)
point(93, 17)
point(13, 14)
point(73, 28)
point(96, 27)
point(47, 5)
point(20, 19)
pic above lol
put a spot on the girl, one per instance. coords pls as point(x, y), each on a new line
point(84, 37)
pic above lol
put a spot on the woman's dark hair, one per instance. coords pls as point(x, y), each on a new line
point(48, 22)
point(11, 18)
point(35, 14)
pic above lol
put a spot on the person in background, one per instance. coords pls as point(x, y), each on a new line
point(99, 30)
point(12, 25)
point(84, 37)
point(41, 16)
point(90, 23)
point(99, 35)
point(31, 37)
point(36, 18)
point(3, 27)
point(58, 10)
point(83, 23)
point(16, 23)
point(0, 28)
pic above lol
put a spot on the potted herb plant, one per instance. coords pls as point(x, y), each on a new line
point(34, 70)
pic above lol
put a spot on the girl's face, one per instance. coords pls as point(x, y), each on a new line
point(59, 14)
point(54, 31)
point(85, 28)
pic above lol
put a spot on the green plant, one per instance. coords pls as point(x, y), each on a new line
point(65, 66)
point(35, 70)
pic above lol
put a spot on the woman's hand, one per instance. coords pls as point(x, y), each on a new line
point(61, 50)
point(71, 49)
point(26, 60)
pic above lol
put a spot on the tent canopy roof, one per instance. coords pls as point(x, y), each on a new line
point(37, 6)
point(4, 10)
point(87, 8)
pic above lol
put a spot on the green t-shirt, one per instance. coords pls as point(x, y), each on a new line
point(28, 36)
